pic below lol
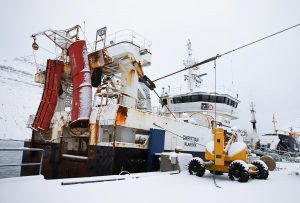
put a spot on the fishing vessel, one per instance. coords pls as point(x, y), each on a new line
point(279, 142)
point(96, 118)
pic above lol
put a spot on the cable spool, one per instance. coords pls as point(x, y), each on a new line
point(269, 161)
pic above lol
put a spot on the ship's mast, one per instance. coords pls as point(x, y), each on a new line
point(253, 120)
point(188, 63)
point(193, 80)
point(274, 124)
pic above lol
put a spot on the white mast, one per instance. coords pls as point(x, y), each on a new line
point(188, 63)
point(193, 80)
point(253, 121)
point(274, 124)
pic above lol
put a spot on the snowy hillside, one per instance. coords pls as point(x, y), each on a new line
point(20, 96)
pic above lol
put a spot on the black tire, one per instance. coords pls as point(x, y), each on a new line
point(262, 173)
point(195, 167)
point(218, 173)
point(238, 172)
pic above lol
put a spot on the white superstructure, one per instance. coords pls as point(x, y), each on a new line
point(198, 106)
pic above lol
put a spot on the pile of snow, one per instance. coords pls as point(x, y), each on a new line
point(295, 172)
point(236, 147)
point(244, 164)
point(183, 159)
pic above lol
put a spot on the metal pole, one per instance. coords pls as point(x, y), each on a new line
point(41, 162)
point(215, 125)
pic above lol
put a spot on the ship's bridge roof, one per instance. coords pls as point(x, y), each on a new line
point(201, 93)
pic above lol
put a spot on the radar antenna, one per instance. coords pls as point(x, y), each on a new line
point(192, 79)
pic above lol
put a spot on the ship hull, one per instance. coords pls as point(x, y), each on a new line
point(100, 161)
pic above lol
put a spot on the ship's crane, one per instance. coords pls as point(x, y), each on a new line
point(61, 38)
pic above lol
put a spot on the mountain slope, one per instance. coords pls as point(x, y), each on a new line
point(20, 97)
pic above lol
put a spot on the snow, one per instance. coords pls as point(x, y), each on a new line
point(85, 95)
point(210, 147)
point(200, 160)
point(85, 102)
point(157, 187)
point(262, 163)
point(235, 148)
point(244, 164)
point(20, 97)
point(182, 158)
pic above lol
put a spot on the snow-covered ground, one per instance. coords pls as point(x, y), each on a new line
point(283, 185)
point(20, 97)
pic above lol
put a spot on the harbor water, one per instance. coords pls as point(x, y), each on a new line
point(10, 157)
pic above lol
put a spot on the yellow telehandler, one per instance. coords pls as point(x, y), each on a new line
point(226, 155)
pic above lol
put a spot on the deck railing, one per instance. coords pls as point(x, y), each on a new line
point(25, 164)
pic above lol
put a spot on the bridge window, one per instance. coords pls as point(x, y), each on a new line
point(212, 99)
point(186, 99)
point(177, 100)
point(205, 98)
point(225, 100)
point(235, 104)
point(228, 102)
point(195, 98)
point(220, 99)
point(164, 102)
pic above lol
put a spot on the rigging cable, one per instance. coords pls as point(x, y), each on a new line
point(228, 52)
point(36, 65)
point(47, 50)
point(85, 38)
point(165, 105)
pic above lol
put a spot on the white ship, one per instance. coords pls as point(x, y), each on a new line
point(196, 105)
point(115, 130)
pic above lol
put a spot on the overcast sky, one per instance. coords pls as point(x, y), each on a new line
point(266, 73)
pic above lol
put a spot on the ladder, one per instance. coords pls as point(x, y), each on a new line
point(69, 93)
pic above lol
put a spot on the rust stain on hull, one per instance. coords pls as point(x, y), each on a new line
point(130, 77)
point(99, 59)
point(121, 115)
point(94, 132)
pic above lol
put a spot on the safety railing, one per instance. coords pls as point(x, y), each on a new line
point(128, 35)
point(25, 164)
point(124, 36)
